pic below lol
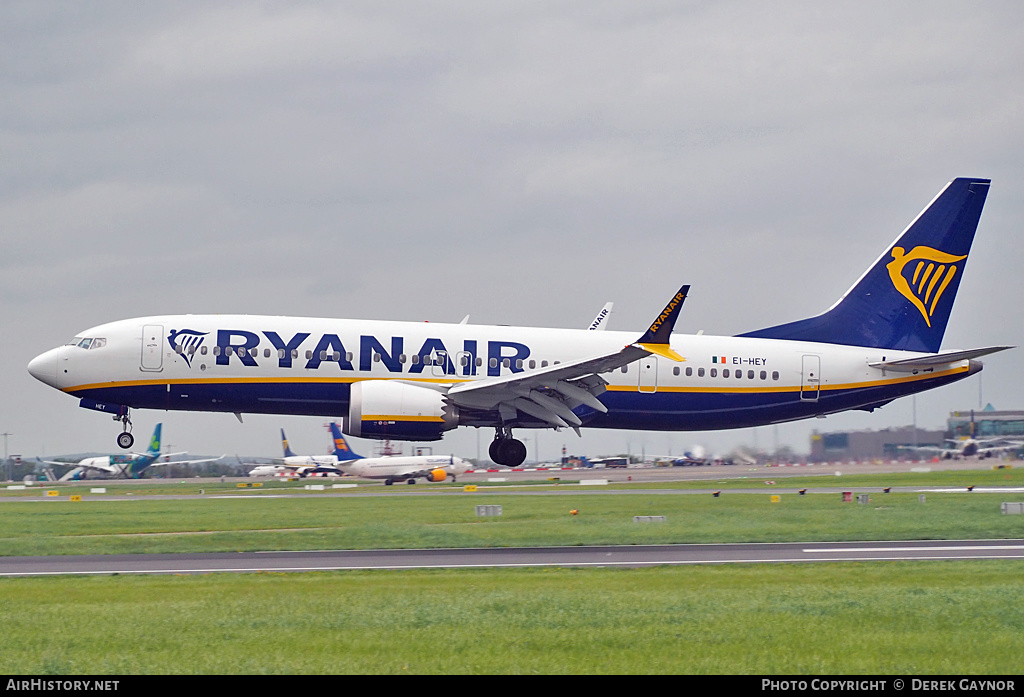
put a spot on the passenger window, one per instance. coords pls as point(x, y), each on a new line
point(519, 364)
point(479, 361)
point(689, 371)
point(700, 372)
point(775, 375)
point(533, 364)
point(309, 354)
point(202, 350)
point(764, 375)
point(714, 372)
point(493, 363)
point(750, 375)
point(675, 370)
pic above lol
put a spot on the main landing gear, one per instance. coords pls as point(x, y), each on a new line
point(125, 440)
point(506, 450)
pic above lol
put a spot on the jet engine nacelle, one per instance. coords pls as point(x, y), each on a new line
point(438, 475)
point(386, 409)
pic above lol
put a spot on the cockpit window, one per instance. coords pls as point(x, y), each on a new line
point(87, 343)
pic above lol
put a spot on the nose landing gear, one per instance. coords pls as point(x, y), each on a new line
point(125, 440)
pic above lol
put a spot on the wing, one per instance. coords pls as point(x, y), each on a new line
point(1006, 446)
point(160, 463)
point(84, 464)
point(550, 394)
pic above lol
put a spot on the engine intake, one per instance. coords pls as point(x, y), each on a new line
point(386, 409)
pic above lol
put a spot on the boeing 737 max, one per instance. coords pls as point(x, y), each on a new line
point(415, 381)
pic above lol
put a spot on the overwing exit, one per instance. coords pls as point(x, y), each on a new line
point(415, 381)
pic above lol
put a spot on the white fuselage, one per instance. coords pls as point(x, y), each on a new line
point(291, 365)
point(403, 466)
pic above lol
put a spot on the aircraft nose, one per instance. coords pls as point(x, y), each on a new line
point(44, 367)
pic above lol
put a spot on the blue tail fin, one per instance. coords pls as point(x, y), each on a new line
point(284, 444)
point(341, 449)
point(903, 301)
point(154, 443)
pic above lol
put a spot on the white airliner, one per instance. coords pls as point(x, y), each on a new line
point(968, 447)
point(301, 465)
point(128, 466)
point(415, 381)
point(396, 468)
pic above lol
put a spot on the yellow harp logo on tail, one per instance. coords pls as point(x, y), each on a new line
point(927, 278)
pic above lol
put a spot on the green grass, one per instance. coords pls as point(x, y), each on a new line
point(890, 618)
point(358, 522)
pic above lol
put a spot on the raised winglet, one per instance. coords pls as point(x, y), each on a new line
point(656, 338)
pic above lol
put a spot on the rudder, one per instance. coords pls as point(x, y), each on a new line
point(342, 451)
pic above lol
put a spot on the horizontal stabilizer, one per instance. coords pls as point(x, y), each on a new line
point(936, 360)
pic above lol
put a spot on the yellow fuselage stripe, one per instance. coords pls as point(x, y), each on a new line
point(445, 381)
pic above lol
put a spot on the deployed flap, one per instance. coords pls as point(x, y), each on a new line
point(937, 359)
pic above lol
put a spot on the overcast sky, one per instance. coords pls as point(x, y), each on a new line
point(520, 162)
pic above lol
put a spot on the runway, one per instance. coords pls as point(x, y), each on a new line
point(599, 556)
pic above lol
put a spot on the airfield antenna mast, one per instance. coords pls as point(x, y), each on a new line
point(7, 460)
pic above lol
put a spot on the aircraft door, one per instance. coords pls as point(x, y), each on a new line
point(648, 380)
point(464, 364)
point(810, 379)
point(441, 366)
point(152, 341)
